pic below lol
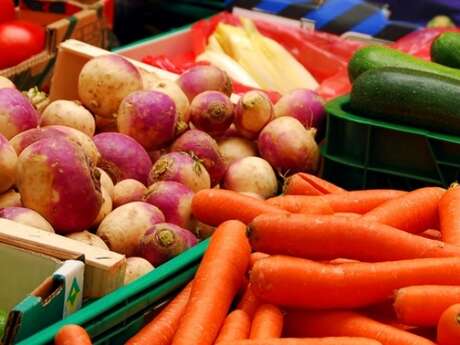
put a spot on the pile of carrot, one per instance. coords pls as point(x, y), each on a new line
point(320, 265)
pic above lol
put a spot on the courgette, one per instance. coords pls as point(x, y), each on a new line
point(417, 98)
point(445, 49)
point(375, 56)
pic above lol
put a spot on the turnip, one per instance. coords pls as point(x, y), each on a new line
point(136, 267)
point(104, 124)
point(178, 96)
point(55, 179)
point(203, 146)
point(252, 113)
point(105, 208)
point(10, 199)
point(24, 139)
point(69, 113)
point(251, 175)
point(212, 112)
point(124, 227)
point(164, 241)
point(17, 114)
point(180, 167)
point(104, 81)
point(26, 216)
point(88, 238)
point(203, 231)
point(106, 181)
point(156, 154)
point(122, 157)
point(204, 78)
point(288, 146)
point(39, 99)
point(150, 117)
point(234, 148)
point(304, 105)
point(174, 199)
point(127, 191)
point(6, 83)
point(8, 160)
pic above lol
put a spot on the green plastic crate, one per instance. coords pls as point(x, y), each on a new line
point(362, 153)
point(114, 318)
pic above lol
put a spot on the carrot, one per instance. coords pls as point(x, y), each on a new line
point(216, 283)
point(306, 341)
point(301, 204)
point(307, 184)
point(236, 327)
point(449, 326)
point(329, 237)
point(214, 206)
point(432, 234)
point(249, 302)
point(413, 212)
point(449, 210)
point(348, 324)
point(300, 283)
point(267, 322)
point(257, 256)
point(423, 305)
point(347, 215)
point(72, 335)
point(163, 327)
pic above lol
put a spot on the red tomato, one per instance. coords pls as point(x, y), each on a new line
point(6, 10)
point(19, 40)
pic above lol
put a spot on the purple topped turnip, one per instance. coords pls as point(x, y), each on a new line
point(124, 227)
point(122, 157)
point(150, 117)
point(212, 112)
point(104, 81)
point(17, 114)
point(127, 191)
point(304, 105)
point(69, 113)
point(288, 146)
point(55, 179)
point(234, 148)
point(8, 160)
point(174, 199)
point(252, 113)
point(105, 209)
point(24, 139)
point(106, 181)
point(204, 78)
point(26, 216)
point(252, 175)
point(180, 167)
point(203, 146)
point(164, 241)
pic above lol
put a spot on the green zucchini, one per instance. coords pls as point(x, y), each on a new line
point(411, 97)
point(445, 49)
point(379, 56)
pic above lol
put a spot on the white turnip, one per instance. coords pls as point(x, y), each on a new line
point(124, 227)
point(26, 216)
point(234, 148)
point(136, 267)
point(8, 160)
point(6, 83)
point(106, 181)
point(88, 238)
point(252, 113)
point(105, 208)
point(128, 190)
point(10, 198)
point(104, 81)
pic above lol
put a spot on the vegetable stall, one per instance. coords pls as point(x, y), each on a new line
point(259, 184)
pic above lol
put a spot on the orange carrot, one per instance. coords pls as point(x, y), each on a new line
point(414, 212)
point(432, 234)
point(163, 327)
point(216, 283)
point(267, 323)
point(301, 204)
point(307, 184)
point(257, 256)
point(329, 237)
point(449, 326)
point(348, 324)
point(249, 302)
point(449, 220)
point(423, 305)
point(72, 335)
point(214, 206)
point(236, 327)
point(307, 341)
point(300, 283)
point(347, 215)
